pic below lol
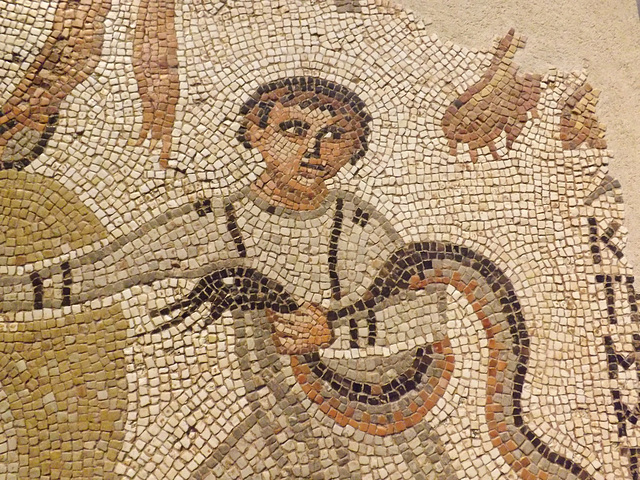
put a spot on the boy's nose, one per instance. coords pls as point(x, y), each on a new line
point(313, 148)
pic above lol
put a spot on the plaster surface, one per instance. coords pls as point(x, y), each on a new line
point(601, 38)
point(208, 285)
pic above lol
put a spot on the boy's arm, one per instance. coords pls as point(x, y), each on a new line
point(183, 242)
point(367, 241)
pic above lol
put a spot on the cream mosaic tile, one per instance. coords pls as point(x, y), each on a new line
point(304, 240)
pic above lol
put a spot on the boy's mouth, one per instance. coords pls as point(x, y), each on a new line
point(320, 168)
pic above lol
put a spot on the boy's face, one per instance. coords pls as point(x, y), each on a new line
point(304, 145)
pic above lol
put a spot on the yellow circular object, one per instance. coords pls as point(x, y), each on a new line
point(38, 215)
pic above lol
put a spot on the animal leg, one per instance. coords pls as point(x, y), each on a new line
point(69, 56)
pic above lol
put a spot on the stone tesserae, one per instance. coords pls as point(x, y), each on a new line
point(304, 240)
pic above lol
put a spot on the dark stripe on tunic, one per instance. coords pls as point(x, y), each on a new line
point(232, 227)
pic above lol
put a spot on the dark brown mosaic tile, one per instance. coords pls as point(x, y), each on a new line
point(301, 275)
point(499, 103)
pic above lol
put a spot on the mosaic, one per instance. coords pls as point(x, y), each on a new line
point(304, 240)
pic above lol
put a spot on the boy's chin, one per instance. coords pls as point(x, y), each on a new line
point(309, 182)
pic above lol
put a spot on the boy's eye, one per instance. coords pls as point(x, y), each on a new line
point(295, 128)
point(332, 134)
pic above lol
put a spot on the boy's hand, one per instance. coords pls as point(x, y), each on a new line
point(416, 283)
point(304, 331)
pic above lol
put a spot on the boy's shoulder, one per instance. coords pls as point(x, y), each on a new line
point(364, 214)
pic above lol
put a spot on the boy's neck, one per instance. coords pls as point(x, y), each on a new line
point(282, 196)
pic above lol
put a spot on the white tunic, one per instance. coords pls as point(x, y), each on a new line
point(293, 247)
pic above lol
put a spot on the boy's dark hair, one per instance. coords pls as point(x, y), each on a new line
point(290, 89)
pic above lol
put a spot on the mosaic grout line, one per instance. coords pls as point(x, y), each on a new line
point(304, 240)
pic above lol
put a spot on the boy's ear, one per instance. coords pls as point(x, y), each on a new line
point(253, 133)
